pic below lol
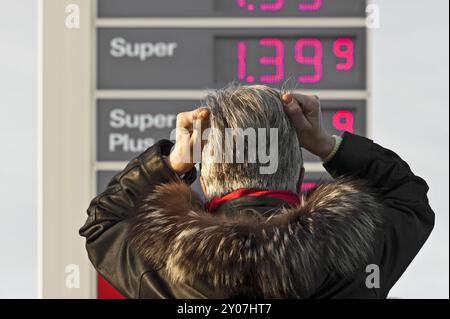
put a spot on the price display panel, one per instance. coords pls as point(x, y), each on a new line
point(126, 128)
point(230, 8)
point(312, 59)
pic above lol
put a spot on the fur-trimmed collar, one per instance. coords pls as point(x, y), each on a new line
point(282, 255)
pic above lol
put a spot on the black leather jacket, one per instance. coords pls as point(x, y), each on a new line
point(149, 236)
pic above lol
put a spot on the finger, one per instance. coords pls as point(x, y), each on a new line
point(294, 112)
point(201, 120)
point(186, 119)
point(198, 140)
point(204, 118)
point(182, 136)
point(201, 123)
point(202, 113)
point(310, 104)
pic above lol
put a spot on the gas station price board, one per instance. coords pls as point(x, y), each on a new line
point(156, 58)
point(210, 58)
point(126, 128)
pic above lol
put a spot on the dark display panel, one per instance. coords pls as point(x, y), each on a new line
point(306, 61)
point(327, 59)
point(230, 8)
point(126, 128)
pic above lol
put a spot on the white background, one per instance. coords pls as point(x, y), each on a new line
point(411, 113)
point(18, 159)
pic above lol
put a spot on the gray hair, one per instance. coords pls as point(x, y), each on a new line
point(255, 107)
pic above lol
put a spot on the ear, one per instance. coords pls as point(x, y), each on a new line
point(202, 183)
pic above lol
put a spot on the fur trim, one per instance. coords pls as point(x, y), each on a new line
point(331, 231)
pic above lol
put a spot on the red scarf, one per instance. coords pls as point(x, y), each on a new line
point(287, 196)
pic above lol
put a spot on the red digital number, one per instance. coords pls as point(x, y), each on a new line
point(277, 5)
point(344, 48)
point(306, 186)
point(273, 6)
point(344, 121)
point(242, 61)
point(310, 6)
point(315, 60)
point(277, 61)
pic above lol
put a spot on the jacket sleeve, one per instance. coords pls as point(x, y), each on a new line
point(407, 217)
point(110, 214)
